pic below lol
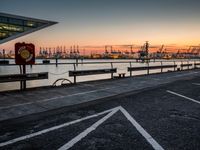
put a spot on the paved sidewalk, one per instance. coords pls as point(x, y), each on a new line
point(17, 104)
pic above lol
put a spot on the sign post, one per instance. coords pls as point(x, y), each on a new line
point(24, 55)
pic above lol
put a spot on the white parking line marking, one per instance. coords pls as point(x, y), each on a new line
point(196, 83)
point(141, 130)
point(53, 128)
point(76, 139)
point(87, 131)
point(191, 99)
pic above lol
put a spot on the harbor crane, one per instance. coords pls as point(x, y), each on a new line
point(159, 53)
point(144, 52)
point(193, 51)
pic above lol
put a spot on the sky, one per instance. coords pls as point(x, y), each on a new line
point(107, 22)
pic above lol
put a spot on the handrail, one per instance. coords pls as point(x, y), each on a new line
point(106, 62)
point(176, 64)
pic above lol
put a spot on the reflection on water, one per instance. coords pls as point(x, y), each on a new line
point(61, 71)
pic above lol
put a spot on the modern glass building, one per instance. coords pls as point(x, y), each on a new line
point(13, 26)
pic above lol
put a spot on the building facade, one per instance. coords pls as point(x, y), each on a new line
point(13, 26)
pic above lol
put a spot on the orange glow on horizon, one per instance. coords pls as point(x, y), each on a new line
point(101, 48)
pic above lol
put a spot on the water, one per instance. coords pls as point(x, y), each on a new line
point(62, 71)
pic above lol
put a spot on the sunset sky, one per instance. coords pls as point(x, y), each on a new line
point(102, 22)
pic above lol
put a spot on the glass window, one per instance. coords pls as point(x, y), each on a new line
point(8, 27)
point(3, 35)
point(30, 23)
point(15, 21)
point(3, 19)
point(27, 28)
point(40, 24)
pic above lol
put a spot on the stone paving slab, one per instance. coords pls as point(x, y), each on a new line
point(16, 104)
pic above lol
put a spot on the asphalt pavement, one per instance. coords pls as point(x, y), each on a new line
point(164, 117)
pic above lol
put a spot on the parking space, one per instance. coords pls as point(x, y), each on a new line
point(188, 90)
point(198, 84)
point(167, 117)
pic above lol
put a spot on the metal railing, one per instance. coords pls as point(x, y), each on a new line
point(122, 66)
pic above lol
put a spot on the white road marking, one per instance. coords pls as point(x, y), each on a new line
point(188, 98)
point(53, 128)
point(87, 131)
point(76, 139)
point(141, 130)
point(196, 83)
point(58, 97)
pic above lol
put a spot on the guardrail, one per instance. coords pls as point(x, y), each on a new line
point(76, 73)
point(148, 68)
point(196, 65)
point(23, 78)
point(84, 68)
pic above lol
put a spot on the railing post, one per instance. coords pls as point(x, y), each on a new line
point(56, 61)
point(76, 61)
point(174, 66)
point(23, 82)
point(111, 68)
point(74, 75)
point(148, 68)
point(181, 65)
point(130, 70)
point(161, 66)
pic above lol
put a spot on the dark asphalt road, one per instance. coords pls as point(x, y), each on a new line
point(172, 121)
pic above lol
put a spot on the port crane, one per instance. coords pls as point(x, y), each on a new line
point(144, 52)
point(159, 53)
point(193, 51)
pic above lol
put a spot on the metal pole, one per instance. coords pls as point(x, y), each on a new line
point(181, 65)
point(76, 61)
point(161, 66)
point(24, 73)
point(148, 68)
point(130, 70)
point(56, 61)
point(20, 68)
point(111, 68)
point(4, 56)
point(174, 66)
point(74, 75)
